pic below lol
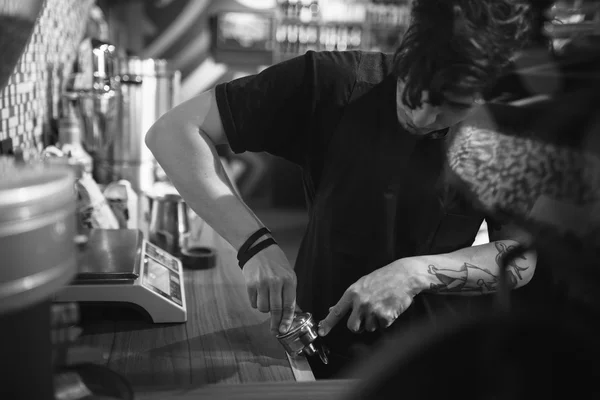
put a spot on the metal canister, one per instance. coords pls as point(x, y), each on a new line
point(169, 224)
point(148, 89)
point(37, 228)
point(302, 338)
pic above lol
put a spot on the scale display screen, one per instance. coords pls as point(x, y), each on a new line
point(162, 280)
point(159, 276)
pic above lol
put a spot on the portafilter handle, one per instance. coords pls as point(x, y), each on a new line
point(318, 349)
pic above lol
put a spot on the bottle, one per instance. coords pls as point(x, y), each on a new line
point(93, 210)
point(123, 201)
point(69, 137)
point(292, 9)
point(292, 37)
point(302, 39)
point(312, 38)
point(355, 38)
point(281, 37)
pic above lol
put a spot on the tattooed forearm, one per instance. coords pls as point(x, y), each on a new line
point(473, 279)
point(469, 278)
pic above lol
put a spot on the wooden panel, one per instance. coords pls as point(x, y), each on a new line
point(317, 390)
point(147, 353)
point(100, 336)
point(224, 340)
point(230, 342)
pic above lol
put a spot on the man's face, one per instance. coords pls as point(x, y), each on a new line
point(429, 118)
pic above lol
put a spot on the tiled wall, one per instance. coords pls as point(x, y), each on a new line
point(30, 99)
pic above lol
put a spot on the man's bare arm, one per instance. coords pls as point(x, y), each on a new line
point(476, 270)
point(183, 142)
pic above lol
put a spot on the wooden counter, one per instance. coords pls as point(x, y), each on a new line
point(224, 341)
point(315, 390)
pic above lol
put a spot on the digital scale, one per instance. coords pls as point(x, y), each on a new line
point(120, 266)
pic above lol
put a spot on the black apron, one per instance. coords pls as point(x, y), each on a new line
point(382, 196)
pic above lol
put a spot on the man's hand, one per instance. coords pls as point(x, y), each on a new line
point(271, 283)
point(376, 300)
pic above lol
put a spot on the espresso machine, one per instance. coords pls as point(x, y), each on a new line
point(118, 98)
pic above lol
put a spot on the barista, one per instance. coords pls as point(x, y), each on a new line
point(388, 240)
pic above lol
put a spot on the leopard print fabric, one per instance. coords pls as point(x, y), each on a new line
point(535, 182)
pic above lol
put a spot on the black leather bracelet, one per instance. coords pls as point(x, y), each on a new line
point(243, 259)
point(251, 240)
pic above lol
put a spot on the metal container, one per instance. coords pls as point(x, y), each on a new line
point(94, 91)
point(148, 89)
point(169, 223)
point(302, 337)
point(97, 65)
point(37, 228)
point(100, 113)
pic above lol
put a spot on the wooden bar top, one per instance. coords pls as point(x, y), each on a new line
point(224, 341)
point(337, 389)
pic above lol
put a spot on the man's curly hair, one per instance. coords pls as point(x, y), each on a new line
point(460, 46)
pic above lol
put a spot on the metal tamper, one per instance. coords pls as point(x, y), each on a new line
point(302, 337)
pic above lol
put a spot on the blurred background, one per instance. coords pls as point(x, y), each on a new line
point(83, 80)
point(184, 47)
point(215, 41)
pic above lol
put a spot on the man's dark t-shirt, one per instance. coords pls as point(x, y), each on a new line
point(334, 115)
point(291, 109)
